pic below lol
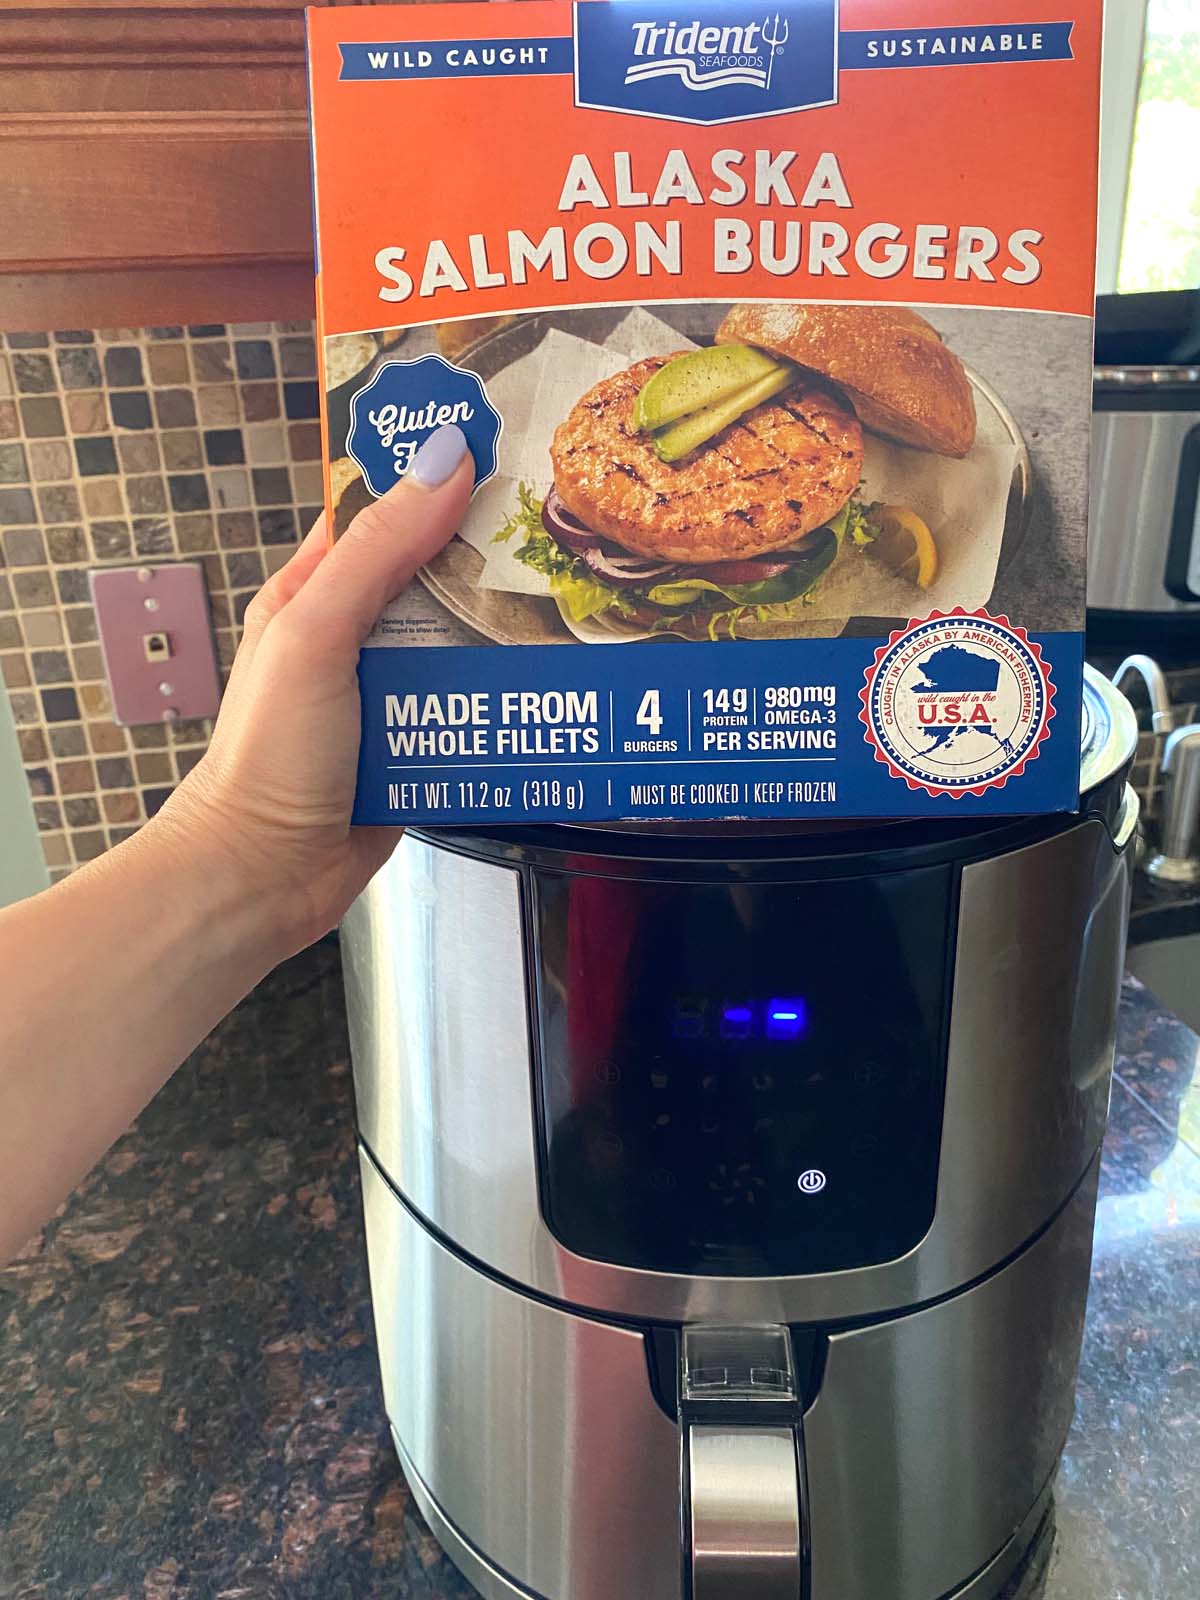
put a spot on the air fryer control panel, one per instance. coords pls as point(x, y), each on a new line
point(744, 1078)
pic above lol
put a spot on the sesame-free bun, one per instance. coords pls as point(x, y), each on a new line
point(902, 380)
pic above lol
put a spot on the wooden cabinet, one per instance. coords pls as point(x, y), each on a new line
point(154, 163)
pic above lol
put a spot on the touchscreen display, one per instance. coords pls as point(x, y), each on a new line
point(742, 1079)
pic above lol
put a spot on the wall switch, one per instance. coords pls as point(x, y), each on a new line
point(156, 636)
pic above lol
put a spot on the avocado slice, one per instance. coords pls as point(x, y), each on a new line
point(695, 380)
point(682, 437)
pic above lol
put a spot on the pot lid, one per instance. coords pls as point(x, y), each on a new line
point(1108, 734)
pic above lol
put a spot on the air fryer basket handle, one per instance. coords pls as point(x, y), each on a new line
point(743, 1507)
point(744, 1504)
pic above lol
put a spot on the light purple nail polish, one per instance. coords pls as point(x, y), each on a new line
point(437, 458)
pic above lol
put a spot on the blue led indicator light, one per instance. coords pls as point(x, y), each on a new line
point(736, 1022)
point(785, 1019)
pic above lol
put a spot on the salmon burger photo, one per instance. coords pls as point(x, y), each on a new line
point(707, 493)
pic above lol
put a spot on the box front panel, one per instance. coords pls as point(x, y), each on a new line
point(770, 339)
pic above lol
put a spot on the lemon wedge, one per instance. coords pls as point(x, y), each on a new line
point(904, 545)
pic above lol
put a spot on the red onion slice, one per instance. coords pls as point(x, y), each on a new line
point(614, 565)
point(625, 571)
point(564, 528)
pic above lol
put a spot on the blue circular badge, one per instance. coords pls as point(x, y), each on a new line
point(392, 416)
point(957, 704)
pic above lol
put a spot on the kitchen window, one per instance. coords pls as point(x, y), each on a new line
point(1150, 147)
point(1160, 243)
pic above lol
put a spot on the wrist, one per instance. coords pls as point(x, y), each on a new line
point(227, 907)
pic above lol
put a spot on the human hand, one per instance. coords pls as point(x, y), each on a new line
point(272, 797)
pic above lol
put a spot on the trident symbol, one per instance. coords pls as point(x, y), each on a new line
point(777, 38)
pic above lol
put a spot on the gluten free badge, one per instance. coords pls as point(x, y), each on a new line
point(392, 416)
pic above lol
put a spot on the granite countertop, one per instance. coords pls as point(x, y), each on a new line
point(189, 1401)
point(1162, 910)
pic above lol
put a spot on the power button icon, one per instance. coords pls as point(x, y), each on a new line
point(812, 1181)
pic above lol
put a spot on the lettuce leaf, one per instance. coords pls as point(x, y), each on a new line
point(810, 560)
point(684, 600)
point(583, 596)
point(855, 522)
point(571, 579)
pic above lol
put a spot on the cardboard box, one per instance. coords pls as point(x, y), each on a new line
point(770, 332)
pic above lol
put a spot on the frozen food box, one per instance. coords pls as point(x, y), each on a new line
point(770, 333)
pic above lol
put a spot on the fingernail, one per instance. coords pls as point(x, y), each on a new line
point(437, 458)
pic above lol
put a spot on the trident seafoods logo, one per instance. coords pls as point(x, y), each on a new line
point(957, 704)
point(710, 63)
point(704, 58)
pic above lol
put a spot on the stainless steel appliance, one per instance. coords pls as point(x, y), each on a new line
point(729, 1193)
point(1177, 858)
point(1144, 528)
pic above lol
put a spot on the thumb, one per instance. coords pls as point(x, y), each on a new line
point(386, 543)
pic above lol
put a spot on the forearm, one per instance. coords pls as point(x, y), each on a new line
point(110, 979)
point(107, 982)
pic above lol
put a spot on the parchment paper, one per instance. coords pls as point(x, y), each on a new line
point(533, 396)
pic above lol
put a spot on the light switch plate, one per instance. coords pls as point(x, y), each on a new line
point(156, 635)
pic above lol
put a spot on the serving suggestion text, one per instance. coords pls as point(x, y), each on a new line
point(781, 246)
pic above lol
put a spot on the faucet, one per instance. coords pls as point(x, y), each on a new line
point(1162, 717)
point(1176, 861)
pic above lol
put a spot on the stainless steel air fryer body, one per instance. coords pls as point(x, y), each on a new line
point(1143, 576)
point(729, 1199)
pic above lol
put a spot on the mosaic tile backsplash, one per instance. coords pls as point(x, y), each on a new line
point(126, 445)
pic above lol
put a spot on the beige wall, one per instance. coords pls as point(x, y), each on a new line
point(22, 871)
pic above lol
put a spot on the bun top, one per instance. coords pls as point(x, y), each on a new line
point(903, 381)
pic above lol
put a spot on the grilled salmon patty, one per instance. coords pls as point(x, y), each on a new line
point(772, 476)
